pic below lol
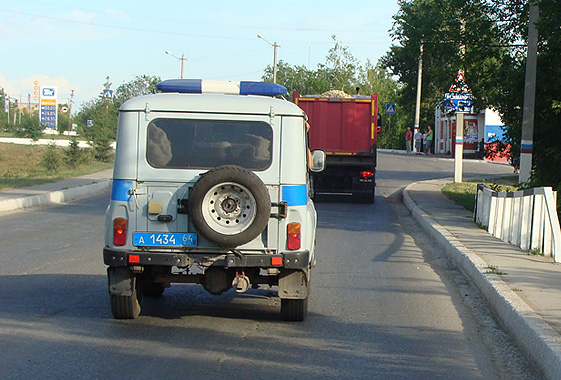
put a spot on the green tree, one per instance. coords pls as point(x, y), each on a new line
point(76, 156)
point(103, 112)
point(341, 71)
point(30, 127)
point(442, 28)
point(494, 34)
point(3, 114)
point(52, 159)
point(63, 119)
point(140, 85)
point(376, 79)
point(547, 123)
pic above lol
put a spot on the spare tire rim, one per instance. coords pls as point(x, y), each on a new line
point(229, 208)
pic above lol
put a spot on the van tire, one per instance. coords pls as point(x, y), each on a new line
point(294, 310)
point(126, 307)
point(229, 206)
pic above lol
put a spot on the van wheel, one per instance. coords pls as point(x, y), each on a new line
point(126, 307)
point(294, 309)
point(229, 206)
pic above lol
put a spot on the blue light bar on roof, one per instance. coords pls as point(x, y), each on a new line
point(201, 86)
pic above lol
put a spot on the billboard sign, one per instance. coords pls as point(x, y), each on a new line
point(48, 106)
point(459, 103)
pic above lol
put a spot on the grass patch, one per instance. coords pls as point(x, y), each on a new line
point(22, 165)
point(463, 193)
point(535, 252)
point(491, 269)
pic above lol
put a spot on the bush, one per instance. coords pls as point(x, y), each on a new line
point(76, 156)
point(30, 127)
point(52, 159)
point(102, 150)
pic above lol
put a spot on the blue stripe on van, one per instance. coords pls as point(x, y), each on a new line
point(295, 195)
point(121, 190)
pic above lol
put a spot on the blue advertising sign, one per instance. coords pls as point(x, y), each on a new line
point(459, 103)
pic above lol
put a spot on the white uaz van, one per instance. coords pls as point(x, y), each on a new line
point(208, 175)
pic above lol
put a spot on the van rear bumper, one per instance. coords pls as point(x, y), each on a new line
point(290, 260)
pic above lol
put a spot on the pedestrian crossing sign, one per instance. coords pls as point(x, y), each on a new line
point(390, 108)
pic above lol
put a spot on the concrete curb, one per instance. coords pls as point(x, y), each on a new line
point(533, 335)
point(60, 196)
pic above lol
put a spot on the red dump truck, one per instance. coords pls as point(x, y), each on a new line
point(346, 129)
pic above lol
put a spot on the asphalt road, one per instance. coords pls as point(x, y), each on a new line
point(385, 304)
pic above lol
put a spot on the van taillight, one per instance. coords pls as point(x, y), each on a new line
point(119, 231)
point(293, 236)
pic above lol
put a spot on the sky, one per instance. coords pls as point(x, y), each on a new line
point(76, 45)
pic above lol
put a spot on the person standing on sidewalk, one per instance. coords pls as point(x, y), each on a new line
point(481, 149)
point(418, 141)
point(428, 141)
point(408, 140)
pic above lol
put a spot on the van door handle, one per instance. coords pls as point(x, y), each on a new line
point(165, 218)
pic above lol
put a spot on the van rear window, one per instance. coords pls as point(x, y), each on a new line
point(204, 144)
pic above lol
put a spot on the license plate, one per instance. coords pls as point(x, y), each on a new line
point(159, 239)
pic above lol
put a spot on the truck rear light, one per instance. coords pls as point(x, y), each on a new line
point(119, 231)
point(366, 175)
point(293, 236)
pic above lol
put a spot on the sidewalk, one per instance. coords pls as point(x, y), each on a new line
point(56, 192)
point(523, 290)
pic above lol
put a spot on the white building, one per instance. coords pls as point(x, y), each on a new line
point(486, 125)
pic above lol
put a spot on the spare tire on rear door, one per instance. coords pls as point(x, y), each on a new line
point(229, 205)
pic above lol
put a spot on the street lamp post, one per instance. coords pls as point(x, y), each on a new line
point(275, 46)
point(182, 59)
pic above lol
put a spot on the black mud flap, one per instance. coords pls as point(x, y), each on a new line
point(294, 284)
point(121, 281)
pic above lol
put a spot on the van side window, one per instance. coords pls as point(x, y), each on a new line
point(205, 144)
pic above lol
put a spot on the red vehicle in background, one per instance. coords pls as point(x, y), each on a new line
point(346, 129)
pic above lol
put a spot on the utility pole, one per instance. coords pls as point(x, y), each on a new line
point(419, 82)
point(529, 98)
point(182, 64)
point(182, 59)
point(459, 152)
point(70, 110)
point(275, 46)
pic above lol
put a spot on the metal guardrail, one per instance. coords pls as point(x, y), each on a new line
point(526, 218)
